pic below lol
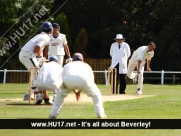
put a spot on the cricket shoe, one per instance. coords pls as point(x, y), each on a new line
point(139, 91)
point(39, 98)
point(104, 116)
point(26, 97)
point(47, 101)
point(135, 79)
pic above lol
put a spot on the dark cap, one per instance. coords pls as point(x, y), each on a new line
point(55, 25)
point(53, 58)
point(78, 57)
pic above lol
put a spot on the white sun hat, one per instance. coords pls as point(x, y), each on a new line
point(119, 36)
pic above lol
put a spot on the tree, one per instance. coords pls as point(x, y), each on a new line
point(168, 33)
point(20, 21)
point(81, 42)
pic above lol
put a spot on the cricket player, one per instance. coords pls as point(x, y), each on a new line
point(33, 49)
point(48, 79)
point(138, 59)
point(120, 52)
point(58, 45)
point(78, 75)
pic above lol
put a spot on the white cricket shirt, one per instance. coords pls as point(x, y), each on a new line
point(40, 40)
point(56, 45)
point(49, 73)
point(142, 54)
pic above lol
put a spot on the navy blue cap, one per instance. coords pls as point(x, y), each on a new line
point(53, 58)
point(55, 25)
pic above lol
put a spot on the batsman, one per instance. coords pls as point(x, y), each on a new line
point(31, 54)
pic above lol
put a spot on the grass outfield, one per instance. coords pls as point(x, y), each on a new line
point(165, 104)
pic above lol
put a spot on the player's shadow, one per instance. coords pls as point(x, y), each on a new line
point(22, 104)
point(26, 104)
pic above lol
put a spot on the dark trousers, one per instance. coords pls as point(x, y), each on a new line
point(121, 80)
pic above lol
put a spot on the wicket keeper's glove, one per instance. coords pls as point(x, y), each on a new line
point(68, 60)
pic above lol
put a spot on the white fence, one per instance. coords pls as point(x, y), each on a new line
point(5, 71)
point(105, 72)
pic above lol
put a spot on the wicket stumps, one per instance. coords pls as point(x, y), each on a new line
point(32, 76)
point(112, 80)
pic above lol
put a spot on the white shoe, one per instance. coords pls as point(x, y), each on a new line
point(139, 91)
point(135, 79)
point(39, 98)
point(104, 116)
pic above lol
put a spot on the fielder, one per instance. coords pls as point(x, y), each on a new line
point(138, 60)
point(33, 49)
point(58, 45)
point(78, 75)
point(49, 78)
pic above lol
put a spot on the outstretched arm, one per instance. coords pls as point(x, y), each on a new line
point(148, 65)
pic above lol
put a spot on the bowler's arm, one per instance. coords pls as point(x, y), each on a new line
point(148, 65)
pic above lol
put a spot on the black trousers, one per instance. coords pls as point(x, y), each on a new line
point(121, 80)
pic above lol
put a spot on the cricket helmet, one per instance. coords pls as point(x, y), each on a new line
point(46, 27)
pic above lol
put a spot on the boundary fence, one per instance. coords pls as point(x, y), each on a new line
point(99, 66)
point(103, 76)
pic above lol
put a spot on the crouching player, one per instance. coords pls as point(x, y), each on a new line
point(78, 75)
point(48, 79)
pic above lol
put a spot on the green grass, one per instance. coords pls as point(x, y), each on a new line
point(165, 104)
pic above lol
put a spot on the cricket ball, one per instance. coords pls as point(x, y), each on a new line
point(124, 22)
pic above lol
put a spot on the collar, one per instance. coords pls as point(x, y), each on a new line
point(147, 51)
point(55, 36)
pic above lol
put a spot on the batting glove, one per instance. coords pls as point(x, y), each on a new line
point(68, 60)
point(41, 60)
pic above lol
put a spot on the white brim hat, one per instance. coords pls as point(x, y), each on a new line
point(119, 36)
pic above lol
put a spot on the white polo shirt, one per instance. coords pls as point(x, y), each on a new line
point(56, 45)
point(50, 76)
point(40, 40)
point(142, 54)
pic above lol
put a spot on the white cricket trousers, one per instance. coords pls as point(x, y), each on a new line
point(48, 86)
point(71, 83)
point(29, 61)
point(131, 66)
point(59, 57)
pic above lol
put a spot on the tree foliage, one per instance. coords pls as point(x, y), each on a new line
point(81, 42)
point(147, 20)
point(168, 28)
point(20, 21)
